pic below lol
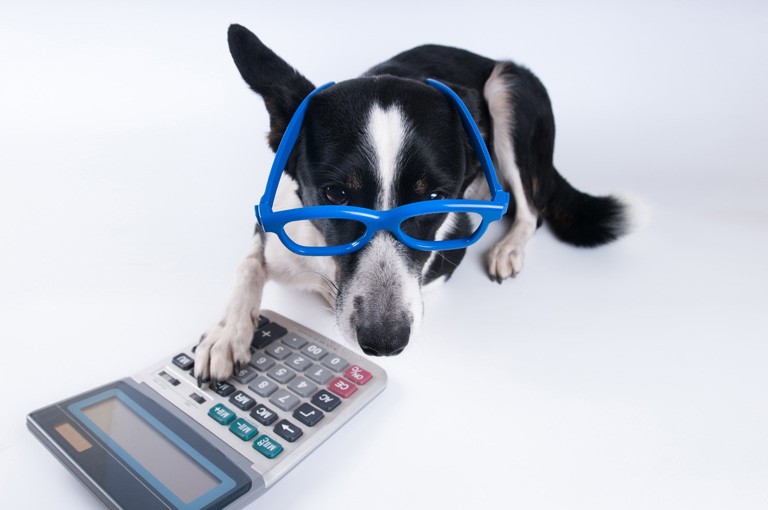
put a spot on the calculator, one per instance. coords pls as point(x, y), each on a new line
point(158, 441)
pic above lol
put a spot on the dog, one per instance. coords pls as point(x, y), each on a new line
point(386, 139)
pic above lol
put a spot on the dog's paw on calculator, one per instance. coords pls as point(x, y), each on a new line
point(222, 349)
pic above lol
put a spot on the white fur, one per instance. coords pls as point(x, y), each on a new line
point(229, 340)
point(382, 266)
point(284, 266)
point(386, 133)
point(638, 214)
point(506, 257)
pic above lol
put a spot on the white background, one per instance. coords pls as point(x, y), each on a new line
point(631, 376)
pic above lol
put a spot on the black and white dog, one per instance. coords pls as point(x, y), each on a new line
point(387, 139)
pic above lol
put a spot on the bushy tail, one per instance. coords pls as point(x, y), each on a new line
point(585, 220)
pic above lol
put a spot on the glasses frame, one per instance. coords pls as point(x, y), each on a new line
point(374, 220)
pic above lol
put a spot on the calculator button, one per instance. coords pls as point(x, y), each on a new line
point(326, 401)
point(281, 374)
point(261, 362)
point(243, 429)
point(222, 414)
point(294, 341)
point(357, 375)
point(183, 361)
point(314, 351)
point(224, 389)
point(263, 321)
point(278, 351)
point(242, 400)
point(284, 400)
point(263, 386)
point(267, 446)
point(264, 336)
point(308, 415)
point(319, 374)
point(197, 398)
point(263, 415)
point(342, 388)
point(298, 362)
point(335, 363)
point(302, 387)
point(245, 375)
point(288, 431)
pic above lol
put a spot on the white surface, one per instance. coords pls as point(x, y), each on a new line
point(631, 376)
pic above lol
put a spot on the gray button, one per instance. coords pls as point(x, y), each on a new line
point(335, 363)
point(298, 362)
point(294, 341)
point(281, 374)
point(319, 374)
point(261, 362)
point(244, 375)
point(302, 387)
point(263, 386)
point(278, 351)
point(314, 351)
point(284, 400)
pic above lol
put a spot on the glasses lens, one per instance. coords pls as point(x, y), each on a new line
point(442, 227)
point(324, 232)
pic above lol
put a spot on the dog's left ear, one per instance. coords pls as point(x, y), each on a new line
point(281, 86)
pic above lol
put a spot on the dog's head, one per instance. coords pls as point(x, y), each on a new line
point(376, 142)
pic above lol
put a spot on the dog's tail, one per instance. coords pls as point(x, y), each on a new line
point(587, 220)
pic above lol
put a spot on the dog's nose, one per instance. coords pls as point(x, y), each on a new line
point(380, 340)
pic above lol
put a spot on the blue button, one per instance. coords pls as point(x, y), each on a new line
point(222, 414)
point(267, 446)
point(243, 429)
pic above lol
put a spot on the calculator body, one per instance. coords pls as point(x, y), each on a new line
point(157, 440)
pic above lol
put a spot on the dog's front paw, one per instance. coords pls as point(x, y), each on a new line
point(505, 260)
point(222, 349)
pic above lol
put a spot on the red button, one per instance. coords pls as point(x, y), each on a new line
point(358, 375)
point(342, 388)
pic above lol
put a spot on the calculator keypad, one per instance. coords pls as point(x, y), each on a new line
point(288, 385)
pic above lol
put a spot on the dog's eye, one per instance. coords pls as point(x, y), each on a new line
point(437, 195)
point(335, 195)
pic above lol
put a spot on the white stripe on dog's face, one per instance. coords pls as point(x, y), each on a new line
point(381, 304)
point(387, 133)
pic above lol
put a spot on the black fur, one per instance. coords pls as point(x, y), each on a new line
point(332, 158)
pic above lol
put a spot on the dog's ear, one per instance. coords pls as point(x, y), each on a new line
point(280, 85)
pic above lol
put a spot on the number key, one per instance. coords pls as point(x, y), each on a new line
point(261, 362)
point(263, 386)
point(335, 363)
point(278, 351)
point(314, 351)
point(281, 374)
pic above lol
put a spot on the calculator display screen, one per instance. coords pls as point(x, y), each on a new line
point(163, 459)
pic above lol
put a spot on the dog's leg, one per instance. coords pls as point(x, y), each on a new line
point(227, 344)
point(506, 258)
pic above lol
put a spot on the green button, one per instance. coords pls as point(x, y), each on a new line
point(243, 429)
point(267, 446)
point(222, 414)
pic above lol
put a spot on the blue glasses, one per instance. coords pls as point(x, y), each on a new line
point(359, 224)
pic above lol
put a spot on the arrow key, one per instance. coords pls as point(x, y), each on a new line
point(288, 431)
